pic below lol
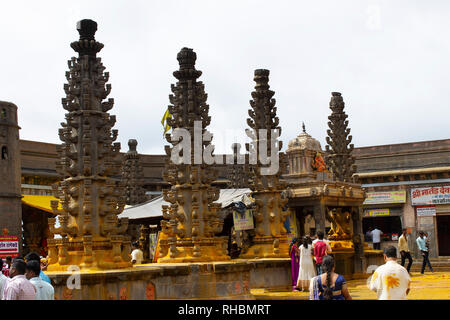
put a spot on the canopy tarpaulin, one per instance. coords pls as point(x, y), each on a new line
point(152, 208)
point(40, 202)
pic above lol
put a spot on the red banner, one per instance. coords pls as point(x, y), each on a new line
point(9, 246)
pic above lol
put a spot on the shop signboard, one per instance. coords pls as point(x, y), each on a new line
point(376, 212)
point(243, 221)
point(385, 197)
point(426, 211)
point(9, 246)
point(431, 195)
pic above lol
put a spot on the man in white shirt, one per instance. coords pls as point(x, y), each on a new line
point(44, 290)
point(136, 255)
point(376, 238)
point(391, 281)
point(18, 287)
point(3, 280)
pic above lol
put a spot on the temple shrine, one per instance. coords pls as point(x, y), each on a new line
point(323, 195)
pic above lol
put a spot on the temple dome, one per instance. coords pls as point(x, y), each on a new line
point(305, 142)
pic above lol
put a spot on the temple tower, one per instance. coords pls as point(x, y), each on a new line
point(191, 221)
point(10, 173)
point(92, 235)
point(133, 175)
point(271, 235)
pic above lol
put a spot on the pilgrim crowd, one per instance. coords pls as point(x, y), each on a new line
point(313, 268)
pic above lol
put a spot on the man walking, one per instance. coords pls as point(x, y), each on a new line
point(18, 287)
point(404, 250)
point(376, 238)
point(422, 244)
point(44, 290)
point(391, 281)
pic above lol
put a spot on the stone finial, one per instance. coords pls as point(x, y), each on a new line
point(87, 45)
point(132, 143)
point(87, 28)
point(186, 57)
point(262, 79)
point(303, 127)
point(337, 102)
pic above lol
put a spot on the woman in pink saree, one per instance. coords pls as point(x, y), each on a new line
point(295, 261)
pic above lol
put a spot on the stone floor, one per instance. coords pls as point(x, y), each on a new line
point(430, 286)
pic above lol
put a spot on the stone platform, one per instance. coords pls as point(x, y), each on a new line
point(209, 280)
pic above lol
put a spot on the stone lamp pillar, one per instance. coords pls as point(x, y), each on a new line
point(92, 236)
point(271, 235)
point(191, 221)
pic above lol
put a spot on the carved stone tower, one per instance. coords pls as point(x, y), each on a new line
point(191, 221)
point(271, 236)
point(92, 236)
point(339, 158)
point(10, 173)
point(133, 175)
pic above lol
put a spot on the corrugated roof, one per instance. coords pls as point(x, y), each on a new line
point(152, 208)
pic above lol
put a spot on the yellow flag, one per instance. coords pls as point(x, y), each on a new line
point(164, 121)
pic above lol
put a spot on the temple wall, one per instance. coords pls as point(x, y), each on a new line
point(215, 280)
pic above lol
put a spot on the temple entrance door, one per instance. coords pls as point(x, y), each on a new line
point(443, 223)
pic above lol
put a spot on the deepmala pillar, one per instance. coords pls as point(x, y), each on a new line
point(133, 175)
point(346, 217)
point(270, 240)
point(92, 236)
point(191, 220)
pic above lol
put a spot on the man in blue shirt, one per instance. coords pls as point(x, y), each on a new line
point(34, 256)
point(422, 244)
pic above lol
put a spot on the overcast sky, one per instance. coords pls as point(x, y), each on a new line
point(389, 59)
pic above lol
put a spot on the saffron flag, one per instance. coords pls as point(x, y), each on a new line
point(164, 121)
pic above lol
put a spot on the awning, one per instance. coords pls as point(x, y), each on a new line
point(152, 208)
point(40, 202)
